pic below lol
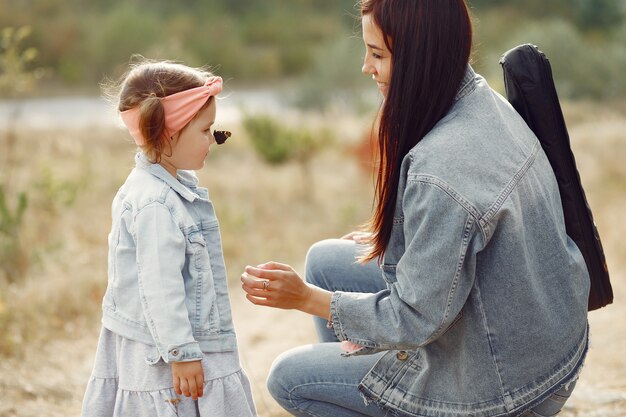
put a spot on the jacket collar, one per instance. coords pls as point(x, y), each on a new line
point(468, 84)
point(182, 184)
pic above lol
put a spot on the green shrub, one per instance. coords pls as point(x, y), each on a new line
point(278, 144)
point(13, 254)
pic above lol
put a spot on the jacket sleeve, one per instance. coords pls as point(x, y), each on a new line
point(433, 276)
point(160, 260)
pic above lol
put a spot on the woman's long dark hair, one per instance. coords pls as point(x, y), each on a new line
point(430, 43)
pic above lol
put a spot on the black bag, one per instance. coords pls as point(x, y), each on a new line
point(530, 89)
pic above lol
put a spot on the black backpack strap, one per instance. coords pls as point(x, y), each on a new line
point(531, 91)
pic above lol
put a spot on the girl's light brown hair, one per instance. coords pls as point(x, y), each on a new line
point(143, 85)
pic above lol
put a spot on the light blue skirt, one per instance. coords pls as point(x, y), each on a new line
point(124, 384)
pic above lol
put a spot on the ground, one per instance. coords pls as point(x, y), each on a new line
point(48, 379)
point(53, 382)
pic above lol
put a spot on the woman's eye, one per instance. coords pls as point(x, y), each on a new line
point(376, 56)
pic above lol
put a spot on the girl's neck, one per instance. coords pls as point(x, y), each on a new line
point(169, 167)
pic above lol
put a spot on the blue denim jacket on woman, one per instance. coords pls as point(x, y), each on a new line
point(485, 312)
point(167, 281)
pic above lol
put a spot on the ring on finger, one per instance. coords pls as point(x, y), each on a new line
point(266, 285)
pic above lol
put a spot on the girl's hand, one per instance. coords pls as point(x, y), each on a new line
point(188, 378)
point(277, 285)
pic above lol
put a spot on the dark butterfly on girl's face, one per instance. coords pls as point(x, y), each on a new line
point(221, 136)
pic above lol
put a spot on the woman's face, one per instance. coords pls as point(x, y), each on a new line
point(377, 62)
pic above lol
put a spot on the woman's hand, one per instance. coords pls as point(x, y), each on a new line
point(361, 238)
point(277, 285)
point(188, 378)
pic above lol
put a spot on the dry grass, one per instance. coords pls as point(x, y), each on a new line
point(264, 214)
point(49, 320)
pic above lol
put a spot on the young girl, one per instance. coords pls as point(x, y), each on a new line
point(167, 346)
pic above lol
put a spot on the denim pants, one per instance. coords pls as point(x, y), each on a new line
point(315, 380)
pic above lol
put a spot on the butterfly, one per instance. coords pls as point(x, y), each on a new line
point(221, 136)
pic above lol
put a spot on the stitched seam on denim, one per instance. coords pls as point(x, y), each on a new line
point(154, 202)
point(575, 355)
point(495, 207)
point(463, 251)
point(115, 314)
point(402, 370)
point(468, 84)
point(429, 405)
point(325, 384)
point(117, 242)
point(144, 302)
point(198, 312)
point(334, 307)
point(341, 334)
point(473, 215)
point(488, 333)
point(456, 196)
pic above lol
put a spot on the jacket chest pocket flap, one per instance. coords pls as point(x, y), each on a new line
point(197, 249)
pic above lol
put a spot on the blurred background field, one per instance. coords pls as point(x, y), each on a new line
point(297, 170)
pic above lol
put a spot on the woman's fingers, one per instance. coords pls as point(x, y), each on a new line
point(261, 301)
point(252, 283)
point(349, 236)
point(275, 266)
point(268, 270)
point(255, 292)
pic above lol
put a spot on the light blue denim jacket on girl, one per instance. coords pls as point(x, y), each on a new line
point(167, 281)
point(486, 308)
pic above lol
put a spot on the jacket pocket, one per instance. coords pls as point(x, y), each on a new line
point(202, 306)
point(197, 248)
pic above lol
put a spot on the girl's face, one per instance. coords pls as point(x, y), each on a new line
point(191, 145)
point(377, 62)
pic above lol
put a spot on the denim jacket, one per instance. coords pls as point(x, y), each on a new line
point(485, 311)
point(166, 276)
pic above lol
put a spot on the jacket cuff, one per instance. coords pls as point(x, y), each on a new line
point(367, 347)
point(184, 353)
point(334, 322)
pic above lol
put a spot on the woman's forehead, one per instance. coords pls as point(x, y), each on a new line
point(372, 34)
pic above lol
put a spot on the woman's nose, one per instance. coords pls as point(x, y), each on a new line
point(367, 69)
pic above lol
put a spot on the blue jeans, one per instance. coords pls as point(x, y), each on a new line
point(315, 380)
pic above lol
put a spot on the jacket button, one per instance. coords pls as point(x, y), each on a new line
point(402, 355)
point(174, 352)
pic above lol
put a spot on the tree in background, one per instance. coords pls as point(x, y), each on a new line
point(15, 81)
point(265, 42)
point(278, 144)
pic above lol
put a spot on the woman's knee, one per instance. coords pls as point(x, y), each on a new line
point(325, 256)
point(282, 377)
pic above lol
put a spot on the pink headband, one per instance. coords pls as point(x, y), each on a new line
point(179, 108)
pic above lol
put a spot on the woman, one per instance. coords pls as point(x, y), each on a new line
point(479, 305)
